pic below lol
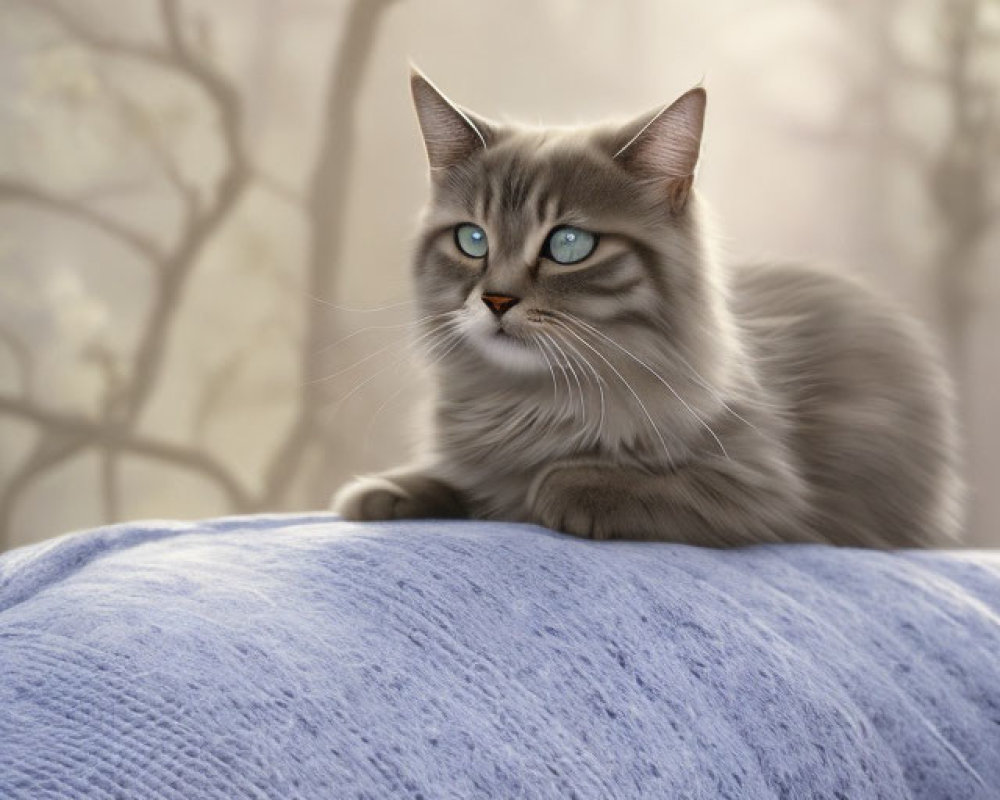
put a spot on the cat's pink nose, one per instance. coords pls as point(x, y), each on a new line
point(500, 304)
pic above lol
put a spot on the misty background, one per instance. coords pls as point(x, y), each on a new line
point(206, 210)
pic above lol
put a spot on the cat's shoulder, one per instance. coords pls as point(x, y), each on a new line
point(826, 310)
point(793, 277)
point(790, 287)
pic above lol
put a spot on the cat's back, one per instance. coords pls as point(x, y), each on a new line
point(869, 404)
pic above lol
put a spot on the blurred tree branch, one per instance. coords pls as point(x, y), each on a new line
point(958, 177)
point(281, 190)
point(102, 357)
point(172, 267)
point(50, 450)
point(134, 116)
point(958, 173)
point(22, 355)
point(62, 430)
point(127, 391)
point(326, 211)
point(15, 191)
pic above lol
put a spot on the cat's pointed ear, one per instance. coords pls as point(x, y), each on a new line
point(450, 134)
point(663, 146)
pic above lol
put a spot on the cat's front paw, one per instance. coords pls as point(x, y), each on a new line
point(580, 500)
point(382, 497)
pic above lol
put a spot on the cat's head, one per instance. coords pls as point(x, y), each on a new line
point(536, 239)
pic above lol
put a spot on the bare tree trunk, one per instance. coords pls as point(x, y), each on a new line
point(327, 214)
point(50, 451)
point(171, 268)
point(957, 183)
point(879, 155)
point(117, 431)
point(109, 485)
point(953, 263)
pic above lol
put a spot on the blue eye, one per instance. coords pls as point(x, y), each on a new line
point(471, 240)
point(568, 245)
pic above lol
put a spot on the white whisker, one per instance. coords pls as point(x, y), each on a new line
point(628, 385)
point(449, 338)
point(354, 310)
point(562, 369)
point(368, 329)
point(423, 337)
point(382, 406)
point(718, 396)
point(597, 380)
point(576, 378)
point(653, 372)
point(552, 372)
point(370, 356)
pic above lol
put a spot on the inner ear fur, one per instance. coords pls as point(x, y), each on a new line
point(450, 133)
point(663, 146)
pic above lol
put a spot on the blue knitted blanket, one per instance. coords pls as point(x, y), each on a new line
point(305, 657)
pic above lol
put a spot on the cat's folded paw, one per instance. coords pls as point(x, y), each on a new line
point(368, 498)
point(576, 500)
point(379, 497)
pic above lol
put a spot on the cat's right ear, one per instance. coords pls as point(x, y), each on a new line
point(663, 147)
point(450, 134)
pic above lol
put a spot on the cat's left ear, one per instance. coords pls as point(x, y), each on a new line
point(450, 133)
point(663, 146)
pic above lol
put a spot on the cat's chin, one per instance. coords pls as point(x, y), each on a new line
point(510, 353)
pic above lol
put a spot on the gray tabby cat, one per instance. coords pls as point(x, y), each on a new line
point(600, 373)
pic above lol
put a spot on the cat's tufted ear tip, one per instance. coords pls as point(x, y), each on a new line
point(421, 88)
point(663, 147)
point(450, 134)
point(694, 101)
point(417, 76)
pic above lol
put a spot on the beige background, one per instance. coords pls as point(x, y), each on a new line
point(187, 187)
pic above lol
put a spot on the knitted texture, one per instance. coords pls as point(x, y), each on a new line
point(305, 657)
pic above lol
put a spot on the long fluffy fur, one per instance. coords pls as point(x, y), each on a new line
point(648, 393)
